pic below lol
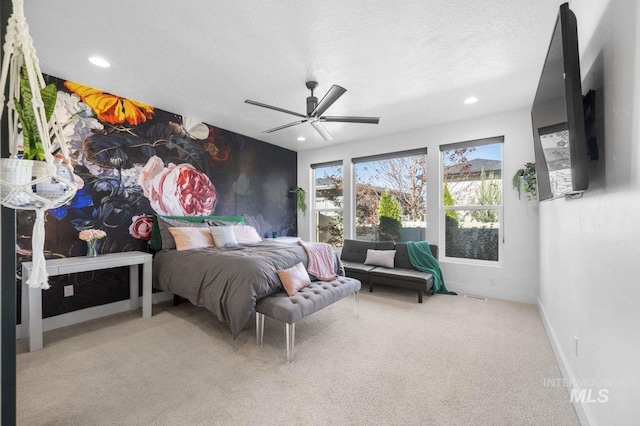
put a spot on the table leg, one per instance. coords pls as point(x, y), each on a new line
point(146, 289)
point(35, 319)
point(24, 308)
point(134, 302)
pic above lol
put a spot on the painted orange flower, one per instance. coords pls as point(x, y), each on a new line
point(111, 108)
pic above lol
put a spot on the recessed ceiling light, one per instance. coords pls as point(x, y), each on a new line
point(302, 138)
point(100, 62)
point(471, 100)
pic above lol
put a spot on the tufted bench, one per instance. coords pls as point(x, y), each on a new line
point(305, 302)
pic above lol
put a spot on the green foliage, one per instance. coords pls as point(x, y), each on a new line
point(301, 200)
point(487, 194)
point(471, 243)
point(32, 141)
point(390, 229)
point(390, 226)
point(449, 201)
point(481, 242)
point(389, 206)
point(525, 179)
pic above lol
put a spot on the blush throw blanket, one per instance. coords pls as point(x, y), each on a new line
point(421, 258)
point(321, 258)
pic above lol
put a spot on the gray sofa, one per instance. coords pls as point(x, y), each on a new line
point(403, 274)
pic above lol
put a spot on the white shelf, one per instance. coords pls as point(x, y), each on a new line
point(32, 297)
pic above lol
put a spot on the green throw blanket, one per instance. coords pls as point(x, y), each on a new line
point(421, 258)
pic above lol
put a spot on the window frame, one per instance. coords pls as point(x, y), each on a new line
point(379, 157)
point(314, 210)
point(443, 209)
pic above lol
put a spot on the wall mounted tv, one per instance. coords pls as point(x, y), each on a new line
point(558, 118)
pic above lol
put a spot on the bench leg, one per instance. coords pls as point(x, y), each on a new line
point(291, 337)
point(356, 296)
point(259, 328)
point(420, 293)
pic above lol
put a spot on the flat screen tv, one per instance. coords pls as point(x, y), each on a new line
point(558, 118)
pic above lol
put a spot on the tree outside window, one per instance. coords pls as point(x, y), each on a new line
point(382, 182)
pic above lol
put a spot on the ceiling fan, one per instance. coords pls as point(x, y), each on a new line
point(315, 109)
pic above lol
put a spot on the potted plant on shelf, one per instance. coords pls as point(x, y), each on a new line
point(301, 196)
point(525, 180)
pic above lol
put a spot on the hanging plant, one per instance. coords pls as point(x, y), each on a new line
point(525, 180)
point(32, 147)
point(301, 196)
point(34, 179)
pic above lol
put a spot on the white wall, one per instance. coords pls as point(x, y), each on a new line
point(516, 278)
point(590, 247)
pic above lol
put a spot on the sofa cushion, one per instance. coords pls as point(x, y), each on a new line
point(355, 266)
point(402, 255)
point(384, 245)
point(381, 274)
point(356, 251)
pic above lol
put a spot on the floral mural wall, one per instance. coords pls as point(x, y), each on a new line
point(133, 161)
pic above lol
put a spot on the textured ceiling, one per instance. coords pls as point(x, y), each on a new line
point(412, 63)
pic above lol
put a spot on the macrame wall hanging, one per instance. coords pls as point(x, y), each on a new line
point(32, 178)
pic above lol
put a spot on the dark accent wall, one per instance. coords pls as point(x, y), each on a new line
point(7, 279)
point(132, 161)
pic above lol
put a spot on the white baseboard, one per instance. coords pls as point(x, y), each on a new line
point(88, 314)
point(582, 410)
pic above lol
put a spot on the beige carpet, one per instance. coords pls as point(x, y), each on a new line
point(449, 361)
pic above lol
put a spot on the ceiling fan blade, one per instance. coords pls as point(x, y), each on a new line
point(339, 119)
point(322, 130)
point(260, 104)
point(332, 95)
point(285, 126)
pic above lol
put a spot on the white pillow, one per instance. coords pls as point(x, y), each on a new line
point(223, 236)
point(380, 258)
point(246, 234)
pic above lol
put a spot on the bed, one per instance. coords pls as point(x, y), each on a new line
point(228, 280)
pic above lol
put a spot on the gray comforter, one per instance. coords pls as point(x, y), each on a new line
point(227, 281)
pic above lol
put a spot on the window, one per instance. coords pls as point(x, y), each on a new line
point(390, 195)
point(472, 199)
point(328, 202)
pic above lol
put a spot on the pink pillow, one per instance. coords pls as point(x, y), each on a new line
point(294, 278)
point(191, 238)
point(246, 234)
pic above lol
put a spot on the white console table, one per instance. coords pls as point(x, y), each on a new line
point(32, 297)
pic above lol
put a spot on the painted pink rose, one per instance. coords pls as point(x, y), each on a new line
point(141, 227)
point(180, 190)
point(154, 166)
